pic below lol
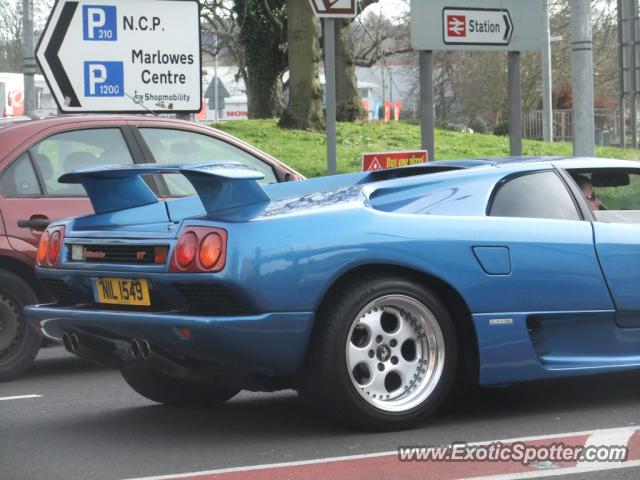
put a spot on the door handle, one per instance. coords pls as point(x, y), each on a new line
point(34, 223)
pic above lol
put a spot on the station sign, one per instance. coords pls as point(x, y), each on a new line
point(334, 8)
point(476, 26)
point(481, 25)
point(372, 162)
point(123, 56)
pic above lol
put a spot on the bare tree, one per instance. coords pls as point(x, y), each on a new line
point(377, 37)
point(218, 20)
point(11, 30)
point(10, 36)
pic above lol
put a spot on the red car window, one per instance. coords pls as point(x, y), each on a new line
point(179, 146)
point(76, 150)
point(20, 179)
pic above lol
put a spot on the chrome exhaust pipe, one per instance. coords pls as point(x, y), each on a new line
point(91, 348)
point(135, 349)
point(145, 349)
point(74, 342)
point(66, 340)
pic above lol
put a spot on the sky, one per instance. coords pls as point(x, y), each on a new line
point(392, 8)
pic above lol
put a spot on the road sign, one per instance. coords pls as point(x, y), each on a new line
point(512, 25)
point(123, 56)
point(372, 162)
point(476, 26)
point(334, 8)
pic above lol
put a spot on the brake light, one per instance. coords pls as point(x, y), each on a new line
point(186, 249)
point(54, 248)
point(210, 250)
point(43, 247)
point(50, 247)
point(200, 249)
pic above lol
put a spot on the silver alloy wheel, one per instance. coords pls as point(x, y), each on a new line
point(395, 353)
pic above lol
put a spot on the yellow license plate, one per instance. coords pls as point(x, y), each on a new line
point(119, 291)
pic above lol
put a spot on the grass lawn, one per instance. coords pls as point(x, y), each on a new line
point(306, 151)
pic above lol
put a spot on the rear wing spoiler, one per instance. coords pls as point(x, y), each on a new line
point(220, 186)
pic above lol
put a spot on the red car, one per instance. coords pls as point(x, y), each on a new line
point(34, 153)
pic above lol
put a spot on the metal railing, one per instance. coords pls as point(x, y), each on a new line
point(606, 122)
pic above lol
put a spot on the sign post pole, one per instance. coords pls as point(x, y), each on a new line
point(621, 62)
point(29, 61)
point(582, 75)
point(328, 11)
point(515, 105)
point(547, 79)
point(330, 81)
point(426, 102)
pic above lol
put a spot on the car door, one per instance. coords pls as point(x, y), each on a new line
point(552, 256)
point(617, 238)
point(31, 194)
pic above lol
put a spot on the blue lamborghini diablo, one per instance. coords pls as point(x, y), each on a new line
point(371, 293)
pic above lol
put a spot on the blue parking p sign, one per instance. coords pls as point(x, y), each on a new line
point(99, 23)
point(103, 79)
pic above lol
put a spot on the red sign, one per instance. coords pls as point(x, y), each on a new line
point(456, 25)
point(372, 162)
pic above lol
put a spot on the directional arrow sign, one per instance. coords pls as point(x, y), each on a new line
point(477, 26)
point(334, 8)
point(123, 55)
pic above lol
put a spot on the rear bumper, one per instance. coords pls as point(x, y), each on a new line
point(269, 343)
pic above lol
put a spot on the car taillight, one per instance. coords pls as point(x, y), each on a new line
point(210, 250)
point(200, 249)
point(43, 247)
point(54, 248)
point(50, 247)
point(186, 249)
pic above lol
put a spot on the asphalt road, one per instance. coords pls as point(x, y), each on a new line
point(88, 424)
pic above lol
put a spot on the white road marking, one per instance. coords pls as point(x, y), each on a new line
point(19, 397)
point(599, 467)
point(619, 437)
point(609, 433)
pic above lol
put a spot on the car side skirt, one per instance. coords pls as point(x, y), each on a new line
point(522, 346)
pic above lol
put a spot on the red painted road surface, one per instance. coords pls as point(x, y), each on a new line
point(387, 466)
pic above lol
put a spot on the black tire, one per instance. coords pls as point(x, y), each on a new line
point(161, 388)
point(19, 341)
point(327, 381)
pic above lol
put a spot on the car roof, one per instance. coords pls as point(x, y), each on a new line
point(53, 120)
point(527, 162)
